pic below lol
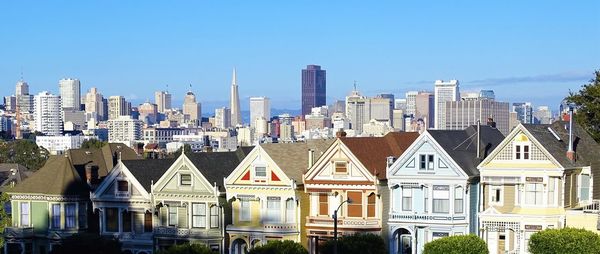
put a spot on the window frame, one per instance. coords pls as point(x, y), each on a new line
point(580, 189)
point(434, 208)
point(459, 197)
point(355, 203)
point(186, 183)
point(538, 190)
point(273, 213)
point(148, 227)
point(72, 217)
point(323, 204)
point(199, 215)
point(256, 167)
point(426, 162)
point(290, 208)
point(372, 206)
point(335, 167)
point(172, 222)
point(55, 215)
point(407, 196)
point(245, 210)
point(215, 215)
point(126, 221)
point(499, 189)
point(115, 220)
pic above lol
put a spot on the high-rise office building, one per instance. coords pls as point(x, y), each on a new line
point(48, 114)
point(162, 100)
point(464, 113)
point(314, 91)
point(25, 103)
point(411, 96)
point(524, 112)
point(70, 93)
point(391, 101)
point(10, 103)
point(94, 104)
point(148, 112)
point(361, 110)
point(118, 106)
point(424, 109)
point(192, 110)
point(260, 108)
point(542, 115)
point(444, 91)
point(22, 88)
point(223, 118)
point(124, 129)
point(234, 102)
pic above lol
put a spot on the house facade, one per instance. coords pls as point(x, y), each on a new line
point(434, 187)
point(266, 195)
point(351, 169)
point(533, 180)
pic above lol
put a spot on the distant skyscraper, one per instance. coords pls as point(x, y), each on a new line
point(314, 88)
point(223, 118)
point(124, 129)
point(192, 110)
point(234, 102)
point(48, 114)
point(94, 104)
point(10, 103)
point(22, 88)
point(24, 101)
point(118, 106)
point(148, 112)
point(410, 102)
point(524, 112)
point(260, 108)
point(162, 100)
point(464, 113)
point(444, 91)
point(70, 93)
point(542, 115)
point(424, 109)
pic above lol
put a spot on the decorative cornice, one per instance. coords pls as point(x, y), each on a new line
point(46, 197)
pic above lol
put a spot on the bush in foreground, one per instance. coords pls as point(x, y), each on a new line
point(564, 240)
point(458, 244)
point(356, 244)
point(279, 247)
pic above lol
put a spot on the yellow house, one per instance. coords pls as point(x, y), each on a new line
point(266, 194)
point(533, 180)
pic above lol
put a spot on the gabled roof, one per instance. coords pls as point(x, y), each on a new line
point(586, 149)
point(148, 171)
point(56, 177)
point(104, 158)
point(292, 158)
point(10, 172)
point(461, 145)
point(372, 152)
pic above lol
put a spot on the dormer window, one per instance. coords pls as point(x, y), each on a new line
point(260, 172)
point(122, 186)
point(426, 162)
point(185, 179)
point(522, 152)
point(341, 167)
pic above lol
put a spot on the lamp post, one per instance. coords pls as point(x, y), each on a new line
point(335, 238)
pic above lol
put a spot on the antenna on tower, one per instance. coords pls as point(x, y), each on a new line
point(354, 85)
point(190, 86)
point(21, 73)
point(167, 88)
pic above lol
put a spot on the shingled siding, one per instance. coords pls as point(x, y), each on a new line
point(384, 198)
point(304, 212)
point(473, 207)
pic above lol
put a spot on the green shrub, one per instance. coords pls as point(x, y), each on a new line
point(458, 244)
point(356, 244)
point(565, 240)
point(88, 243)
point(187, 249)
point(279, 247)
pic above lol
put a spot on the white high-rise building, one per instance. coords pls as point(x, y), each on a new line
point(124, 129)
point(70, 93)
point(22, 88)
point(444, 91)
point(411, 102)
point(260, 107)
point(94, 104)
point(236, 116)
point(118, 106)
point(464, 113)
point(162, 100)
point(360, 110)
point(192, 110)
point(48, 114)
point(223, 118)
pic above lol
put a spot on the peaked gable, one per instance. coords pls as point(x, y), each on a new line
point(107, 189)
point(246, 172)
point(56, 177)
point(183, 177)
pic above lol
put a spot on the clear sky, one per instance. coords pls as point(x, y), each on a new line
point(524, 50)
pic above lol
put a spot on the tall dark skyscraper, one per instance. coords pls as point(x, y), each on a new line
point(314, 88)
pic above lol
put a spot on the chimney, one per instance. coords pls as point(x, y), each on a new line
point(91, 174)
point(311, 157)
point(491, 123)
point(570, 151)
point(390, 161)
point(340, 133)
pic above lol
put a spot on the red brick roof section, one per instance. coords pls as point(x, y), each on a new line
point(372, 152)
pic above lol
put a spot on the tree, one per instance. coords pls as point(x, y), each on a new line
point(458, 244)
point(93, 143)
point(279, 247)
point(88, 243)
point(5, 219)
point(358, 243)
point(564, 240)
point(587, 102)
point(24, 152)
point(188, 150)
point(187, 249)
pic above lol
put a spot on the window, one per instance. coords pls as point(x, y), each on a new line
point(551, 191)
point(441, 198)
point(438, 235)
point(355, 208)
point(185, 179)
point(496, 194)
point(127, 219)
point(214, 216)
point(290, 206)
point(260, 172)
point(584, 188)
point(70, 215)
point(245, 210)
point(522, 152)
point(24, 214)
point(323, 204)
point(148, 221)
point(341, 167)
point(55, 216)
point(406, 199)
point(199, 215)
point(122, 186)
point(172, 216)
point(526, 152)
point(112, 220)
point(273, 209)
point(533, 193)
point(426, 161)
point(458, 200)
point(371, 205)
point(518, 152)
point(426, 199)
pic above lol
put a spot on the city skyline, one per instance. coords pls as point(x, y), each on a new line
point(536, 48)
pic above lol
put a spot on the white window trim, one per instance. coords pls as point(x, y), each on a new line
point(28, 215)
point(427, 168)
point(206, 212)
point(582, 202)
point(124, 194)
point(241, 218)
point(261, 165)
point(185, 173)
point(492, 192)
point(176, 224)
point(522, 153)
point(544, 202)
point(333, 164)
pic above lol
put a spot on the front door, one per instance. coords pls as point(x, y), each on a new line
point(501, 244)
point(405, 244)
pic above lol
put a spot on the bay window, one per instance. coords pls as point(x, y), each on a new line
point(70, 215)
point(273, 209)
point(441, 198)
point(533, 193)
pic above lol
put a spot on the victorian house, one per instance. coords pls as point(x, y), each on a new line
point(539, 177)
point(350, 179)
point(434, 186)
point(266, 194)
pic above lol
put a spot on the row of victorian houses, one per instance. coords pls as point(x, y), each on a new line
point(409, 188)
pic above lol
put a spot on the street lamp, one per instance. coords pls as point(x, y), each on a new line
point(335, 238)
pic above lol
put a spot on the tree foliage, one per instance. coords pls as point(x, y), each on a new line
point(88, 243)
point(564, 240)
point(458, 244)
point(358, 243)
point(5, 219)
point(24, 152)
point(587, 101)
point(187, 249)
point(279, 247)
point(93, 143)
point(188, 150)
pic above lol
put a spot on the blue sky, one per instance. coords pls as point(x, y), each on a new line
point(524, 50)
